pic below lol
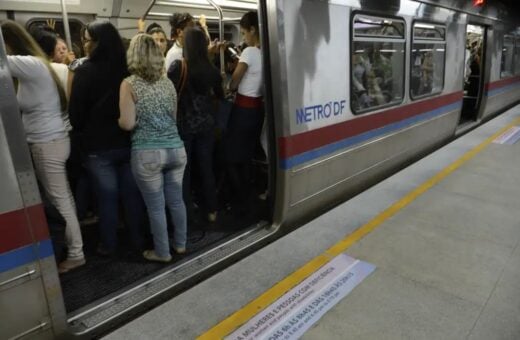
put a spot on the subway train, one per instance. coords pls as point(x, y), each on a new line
point(354, 90)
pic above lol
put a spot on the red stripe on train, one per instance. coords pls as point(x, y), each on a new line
point(16, 226)
point(309, 140)
point(502, 83)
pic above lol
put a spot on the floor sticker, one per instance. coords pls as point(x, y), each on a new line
point(297, 310)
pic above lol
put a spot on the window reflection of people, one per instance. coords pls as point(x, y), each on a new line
point(374, 89)
point(426, 73)
point(360, 68)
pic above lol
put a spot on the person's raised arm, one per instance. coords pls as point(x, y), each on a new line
point(237, 76)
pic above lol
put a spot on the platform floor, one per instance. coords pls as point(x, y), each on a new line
point(444, 234)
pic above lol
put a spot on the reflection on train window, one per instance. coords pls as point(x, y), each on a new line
point(506, 62)
point(427, 60)
point(377, 65)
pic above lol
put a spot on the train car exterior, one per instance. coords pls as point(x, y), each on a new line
point(354, 91)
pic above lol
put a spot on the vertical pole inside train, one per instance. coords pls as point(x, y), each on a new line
point(66, 24)
point(220, 32)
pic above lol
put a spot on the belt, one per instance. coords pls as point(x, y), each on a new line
point(248, 102)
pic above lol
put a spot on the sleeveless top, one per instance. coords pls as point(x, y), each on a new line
point(155, 105)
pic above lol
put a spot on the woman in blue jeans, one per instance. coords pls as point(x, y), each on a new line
point(94, 114)
point(148, 107)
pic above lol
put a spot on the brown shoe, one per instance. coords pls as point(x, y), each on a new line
point(69, 264)
point(150, 255)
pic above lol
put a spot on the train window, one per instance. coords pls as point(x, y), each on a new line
point(75, 31)
point(427, 59)
point(377, 66)
point(506, 62)
point(517, 56)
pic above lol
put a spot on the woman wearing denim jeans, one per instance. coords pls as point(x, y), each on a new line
point(148, 104)
point(94, 114)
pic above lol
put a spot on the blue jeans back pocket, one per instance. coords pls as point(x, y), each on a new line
point(149, 159)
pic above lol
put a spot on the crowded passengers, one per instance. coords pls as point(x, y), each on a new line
point(134, 123)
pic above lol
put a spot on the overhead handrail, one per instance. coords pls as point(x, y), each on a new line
point(66, 27)
point(220, 32)
point(200, 5)
point(148, 9)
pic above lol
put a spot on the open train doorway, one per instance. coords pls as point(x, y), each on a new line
point(473, 73)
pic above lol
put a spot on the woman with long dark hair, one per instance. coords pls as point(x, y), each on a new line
point(43, 102)
point(94, 114)
point(247, 115)
point(196, 120)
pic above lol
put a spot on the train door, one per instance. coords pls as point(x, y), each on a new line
point(473, 72)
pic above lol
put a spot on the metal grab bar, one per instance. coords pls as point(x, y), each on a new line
point(220, 33)
point(21, 276)
point(66, 27)
point(148, 9)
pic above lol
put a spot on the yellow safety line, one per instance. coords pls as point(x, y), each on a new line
point(241, 316)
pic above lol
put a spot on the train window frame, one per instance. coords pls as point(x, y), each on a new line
point(435, 42)
point(516, 56)
point(511, 63)
point(377, 38)
point(72, 22)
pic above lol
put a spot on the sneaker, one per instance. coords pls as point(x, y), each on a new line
point(89, 220)
point(150, 255)
point(180, 250)
point(105, 252)
point(69, 264)
point(263, 196)
point(212, 217)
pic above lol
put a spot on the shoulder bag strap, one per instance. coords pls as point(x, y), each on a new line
point(183, 77)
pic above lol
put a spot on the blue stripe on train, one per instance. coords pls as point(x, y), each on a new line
point(333, 147)
point(491, 93)
point(24, 255)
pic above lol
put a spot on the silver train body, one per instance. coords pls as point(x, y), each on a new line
point(324, 145)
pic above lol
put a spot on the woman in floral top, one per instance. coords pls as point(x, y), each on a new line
point(148, 103)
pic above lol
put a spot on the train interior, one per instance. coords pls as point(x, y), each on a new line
point(473, 72)
point(117, 273)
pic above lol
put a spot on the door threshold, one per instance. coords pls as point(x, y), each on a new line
point(465, 127)
point(104, 315)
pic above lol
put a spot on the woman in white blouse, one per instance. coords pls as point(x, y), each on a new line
point(247, 115)
point(43, 101)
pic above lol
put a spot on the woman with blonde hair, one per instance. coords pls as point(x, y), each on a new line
point(43, 102)
point(148, 104)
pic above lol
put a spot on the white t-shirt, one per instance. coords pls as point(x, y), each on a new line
point(38, 99)
point(251, 83)
point(174, 53)
point(62, 71)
